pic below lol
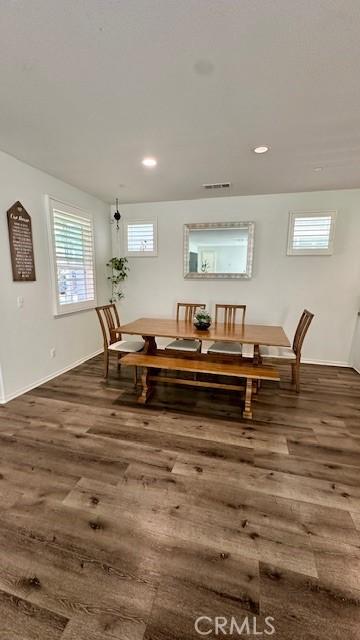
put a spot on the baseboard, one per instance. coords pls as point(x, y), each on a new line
point(6, 398)
point(327, 363)
point(2, 389)
point(355, 369)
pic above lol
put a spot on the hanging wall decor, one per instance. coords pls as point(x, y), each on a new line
point(117, 216)
point(21, 244)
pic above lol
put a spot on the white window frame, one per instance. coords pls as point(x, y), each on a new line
point(72, 307)
point(293, 215)
point(140, 254)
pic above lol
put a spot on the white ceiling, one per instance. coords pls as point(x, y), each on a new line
point(89, 87)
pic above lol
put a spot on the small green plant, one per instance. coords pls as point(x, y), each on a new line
point(119, 271)
point(202, 319)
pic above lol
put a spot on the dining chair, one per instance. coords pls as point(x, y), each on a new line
point(186, 311)
point(291, 355)
point(230, 313)
point(113, 343)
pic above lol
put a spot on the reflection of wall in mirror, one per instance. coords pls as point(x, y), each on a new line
point(218, 251)
point(229, 259)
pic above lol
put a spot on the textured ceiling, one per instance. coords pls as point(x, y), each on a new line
point(88, 88)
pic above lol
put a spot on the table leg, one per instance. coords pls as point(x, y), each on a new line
point(150, 345)
point(247, 413)
point(257, 358)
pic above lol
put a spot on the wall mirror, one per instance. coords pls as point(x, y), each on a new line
point(218, 250)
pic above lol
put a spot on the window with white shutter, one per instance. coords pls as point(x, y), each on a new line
point(141, 238)
point(73, 258)
point(311, 233)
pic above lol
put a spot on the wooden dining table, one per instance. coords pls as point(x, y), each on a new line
point(253, 334)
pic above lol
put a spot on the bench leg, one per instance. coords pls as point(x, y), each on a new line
point(247, 413)
point(147, 389)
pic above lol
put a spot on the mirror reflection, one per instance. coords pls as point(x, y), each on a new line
point(218, 250)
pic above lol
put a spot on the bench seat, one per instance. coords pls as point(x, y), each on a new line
point(244, 370)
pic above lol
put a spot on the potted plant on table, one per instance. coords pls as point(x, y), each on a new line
point(202, 320)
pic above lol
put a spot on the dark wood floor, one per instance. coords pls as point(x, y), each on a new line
point(120, 522)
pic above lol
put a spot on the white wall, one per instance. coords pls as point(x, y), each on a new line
point(281, 286)
point(28, 334)
point(355, 352)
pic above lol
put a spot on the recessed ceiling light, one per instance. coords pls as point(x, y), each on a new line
point(149, 162)
point(262, 149)
point(318, 169)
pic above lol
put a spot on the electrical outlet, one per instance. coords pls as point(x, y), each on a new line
point(52, 352)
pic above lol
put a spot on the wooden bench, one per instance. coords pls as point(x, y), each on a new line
point(247, 371)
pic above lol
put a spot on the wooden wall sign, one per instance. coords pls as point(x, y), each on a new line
point(21, 244)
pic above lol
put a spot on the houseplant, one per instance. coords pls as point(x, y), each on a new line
point(119, 271)
point(202, 320)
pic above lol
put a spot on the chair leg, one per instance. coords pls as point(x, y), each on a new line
point(136, 376)
point(296, 376)
point(293, 373)
point(106, 364)
point(119, 362)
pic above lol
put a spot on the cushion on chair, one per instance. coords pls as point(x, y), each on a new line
point(183, 345)
point(283, 353)
point(248, 350)
point(229, 348)
point(127, 346)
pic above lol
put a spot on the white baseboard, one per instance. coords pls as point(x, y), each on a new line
point(355, 369)
point(6, 398)
point(2, 389)
point(327, 363)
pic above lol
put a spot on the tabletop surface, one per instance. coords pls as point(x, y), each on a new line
point(270, 335)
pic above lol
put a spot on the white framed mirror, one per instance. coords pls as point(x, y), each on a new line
point(218, 250)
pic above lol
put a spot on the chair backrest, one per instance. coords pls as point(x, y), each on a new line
point(229, 313)
point(109, 319)
point(301, 331)
point(188, 310)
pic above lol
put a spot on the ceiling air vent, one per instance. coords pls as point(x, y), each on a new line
point(217, 185)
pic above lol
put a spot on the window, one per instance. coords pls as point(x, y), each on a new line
point(73, 258)
point(141, 238)
point(311, 233)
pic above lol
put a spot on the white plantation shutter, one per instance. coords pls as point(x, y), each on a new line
point(141, 238)
point(72, 248)
point(311, 233)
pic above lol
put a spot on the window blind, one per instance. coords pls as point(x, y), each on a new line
point(311, 234)
point(140, 237)
point(73, 256)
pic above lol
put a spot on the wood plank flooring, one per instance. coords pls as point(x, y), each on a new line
point(121, 522)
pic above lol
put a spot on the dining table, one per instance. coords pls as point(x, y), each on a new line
point(252, 334)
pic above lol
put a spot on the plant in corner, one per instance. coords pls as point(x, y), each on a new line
point(119, 271)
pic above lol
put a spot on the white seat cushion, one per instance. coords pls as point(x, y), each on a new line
point(230, 348)
point(283, 353)
point(127, 346)
point(248, 351)
point(183, 345)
